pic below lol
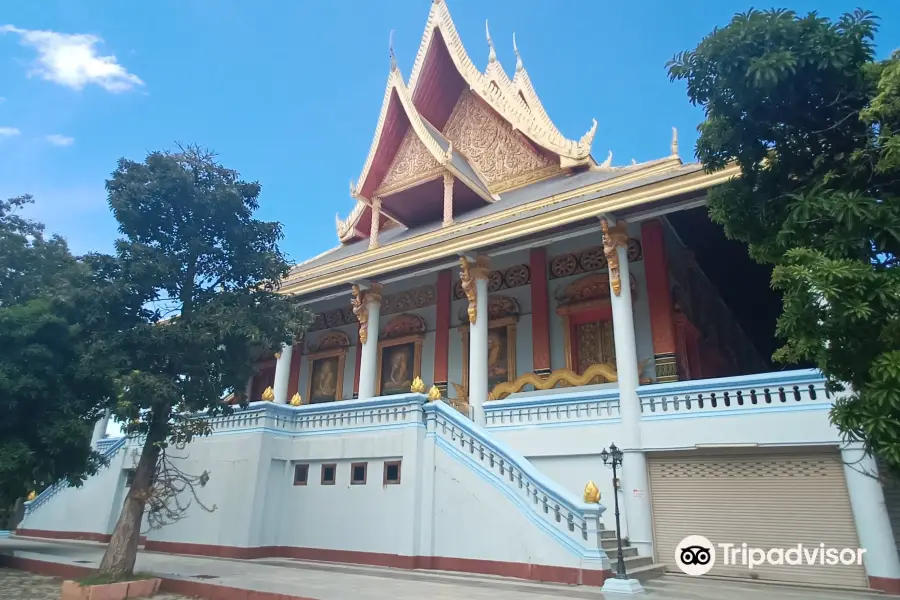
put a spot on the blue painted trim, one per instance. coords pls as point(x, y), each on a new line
point(524, 506)
point(559, 494)
point(4, 534)
point(741, 381)
point(558, 399)
point(689, 414)
point(341, 431)
point(581, 423)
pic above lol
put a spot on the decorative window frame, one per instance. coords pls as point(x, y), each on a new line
point(585, 299)
point(330, 345)
point(402, 329)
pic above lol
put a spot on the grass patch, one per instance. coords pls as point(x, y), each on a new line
point(103, 578)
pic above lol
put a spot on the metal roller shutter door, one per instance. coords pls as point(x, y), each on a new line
point(765, 500)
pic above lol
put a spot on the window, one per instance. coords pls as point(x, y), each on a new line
point(391, 472)
point(129, 477)
point(358, 473)
point(301, 474)
point(329, 474)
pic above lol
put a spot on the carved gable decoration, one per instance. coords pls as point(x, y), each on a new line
point(591, 288)
point(412, 163)
point(500, 155)
point(403, 325)
point(330, 341)
point(499, 307)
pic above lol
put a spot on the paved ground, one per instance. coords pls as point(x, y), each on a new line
point(330, 581)
point(18, 585)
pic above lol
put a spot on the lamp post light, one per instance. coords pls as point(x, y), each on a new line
point(613, 458)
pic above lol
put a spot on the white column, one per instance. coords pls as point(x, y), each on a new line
point(870, 515)
point(635, 493)
point(478, 350)
point(100, 429)
point(368, 363)
point(283, 374)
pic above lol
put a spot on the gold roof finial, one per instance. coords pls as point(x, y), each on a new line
point(391, 50)
point(492, 54)
point(674, 142)
point(519, 65)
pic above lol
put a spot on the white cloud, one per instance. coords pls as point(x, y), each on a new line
point(8, 132)
point(59, 140)
point(71, 60)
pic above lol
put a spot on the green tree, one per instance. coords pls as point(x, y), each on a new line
point(812, 118)
point(209, 270)
point(56, 373)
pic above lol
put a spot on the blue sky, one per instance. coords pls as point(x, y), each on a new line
point(288, 92)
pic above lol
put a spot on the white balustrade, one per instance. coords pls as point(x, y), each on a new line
point(345, 415)
point(793, 390)
point(560, 407)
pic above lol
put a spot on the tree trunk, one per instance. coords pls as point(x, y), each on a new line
point(121, 552)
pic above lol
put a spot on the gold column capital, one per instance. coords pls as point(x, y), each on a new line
point(360, 304)
point(470, 272)
point(613, 237)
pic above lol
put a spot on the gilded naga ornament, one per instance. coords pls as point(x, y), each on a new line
point(268, 394)
point(362, 313)
point(469, 273)
point(296, 400)
point(591, 493)
point(418, 386)
point(613, 237)
point(434, 394)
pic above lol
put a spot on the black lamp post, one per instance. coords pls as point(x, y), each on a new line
point(613, 459)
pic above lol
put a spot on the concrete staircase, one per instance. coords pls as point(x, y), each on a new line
point(641, 568)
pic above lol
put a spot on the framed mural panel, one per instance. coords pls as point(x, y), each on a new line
point(326, 361)
point(400, 355)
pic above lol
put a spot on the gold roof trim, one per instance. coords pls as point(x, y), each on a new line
point(378, 263)
point(345, 228)
point(510, 106)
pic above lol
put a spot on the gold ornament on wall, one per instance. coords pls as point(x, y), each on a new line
point(591, 493)
point(31, 496)
point(268, 394)
point(468, 286)
point(296, 400)
point(418, 386)
point(434, 394)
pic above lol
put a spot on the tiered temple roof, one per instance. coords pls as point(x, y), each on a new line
point(490, 139)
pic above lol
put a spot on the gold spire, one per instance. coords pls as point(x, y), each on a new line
point(434, 394)
point(591, 493)
point(519, 65)
point(492, 54)
point(418, 386)
point(296, 400)
point(391, 51)
point(268, 394)
point(674, 142)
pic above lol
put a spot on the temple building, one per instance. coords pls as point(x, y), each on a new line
point(499, 308)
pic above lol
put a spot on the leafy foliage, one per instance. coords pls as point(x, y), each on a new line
point(56, 374)
point(813, 121)
point(208, 272)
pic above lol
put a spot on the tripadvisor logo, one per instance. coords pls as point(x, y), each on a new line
point(696, 555)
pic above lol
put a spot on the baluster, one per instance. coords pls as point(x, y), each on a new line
point(781, 395)
point(740, 398)
point(753, 399)
point(556, 513)
point(797, 393)
point(712, 396)
point(571, 522)
point(812, 392)
point(544, 503)
point(584, 530)
point(501, 466)
point(768, 396)
point(727, 399)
